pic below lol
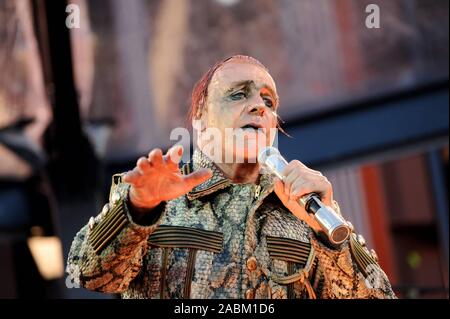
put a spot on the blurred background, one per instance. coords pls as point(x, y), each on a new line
point(87, 89)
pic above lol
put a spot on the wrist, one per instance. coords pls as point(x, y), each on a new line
point(145, 217)
point(140, 205)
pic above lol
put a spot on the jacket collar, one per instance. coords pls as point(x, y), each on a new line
point(218, 180)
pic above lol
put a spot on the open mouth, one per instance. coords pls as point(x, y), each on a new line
point(252, 127)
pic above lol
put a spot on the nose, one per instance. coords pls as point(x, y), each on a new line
point(257, 109)
point(257, 106)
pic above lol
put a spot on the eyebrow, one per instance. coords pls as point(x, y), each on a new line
point(249, 83)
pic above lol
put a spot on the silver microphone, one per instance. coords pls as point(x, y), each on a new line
point(333, 225)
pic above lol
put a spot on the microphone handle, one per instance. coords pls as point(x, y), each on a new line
point(331, 222)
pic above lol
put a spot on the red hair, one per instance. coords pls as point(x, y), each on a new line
point(200, 91)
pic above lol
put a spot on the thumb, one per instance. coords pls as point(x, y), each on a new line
point(279, 190)
point(197, 177)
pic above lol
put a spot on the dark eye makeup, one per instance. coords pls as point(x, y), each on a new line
point(239, 95)
point(243, 92)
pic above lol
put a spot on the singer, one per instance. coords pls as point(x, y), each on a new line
point(219, 228)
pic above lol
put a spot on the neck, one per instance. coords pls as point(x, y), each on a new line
point(242, 173)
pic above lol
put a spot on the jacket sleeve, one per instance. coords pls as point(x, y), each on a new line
point(350, 272)
point(107, 253)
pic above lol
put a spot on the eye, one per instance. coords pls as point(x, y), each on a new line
point(238, 95)
point(268, 102)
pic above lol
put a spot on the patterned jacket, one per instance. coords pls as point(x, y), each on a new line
point(221, 240)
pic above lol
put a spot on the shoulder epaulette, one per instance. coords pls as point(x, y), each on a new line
point(362, 257)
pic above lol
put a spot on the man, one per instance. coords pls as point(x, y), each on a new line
point(221, 229)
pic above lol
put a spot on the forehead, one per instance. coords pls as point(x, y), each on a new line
point(238, 71)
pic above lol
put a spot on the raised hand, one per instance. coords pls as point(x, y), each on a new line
point(157, 178)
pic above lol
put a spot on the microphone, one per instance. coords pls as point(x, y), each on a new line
point(332, 224)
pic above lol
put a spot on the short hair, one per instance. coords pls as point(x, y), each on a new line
point(200, 90)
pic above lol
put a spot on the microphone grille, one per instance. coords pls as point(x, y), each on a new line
point(265, 153)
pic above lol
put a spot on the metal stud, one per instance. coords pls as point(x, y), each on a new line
point(105, 209)
point(91, 223)
point(361, 240)
point(374, 255)
point(115, 197)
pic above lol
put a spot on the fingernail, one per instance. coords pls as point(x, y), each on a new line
point(180, 150)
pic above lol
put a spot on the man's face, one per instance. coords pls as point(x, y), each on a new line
point(242, 104)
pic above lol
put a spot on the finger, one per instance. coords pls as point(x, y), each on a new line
point(143, 164)
point(197, 177)
point(311, 171)
point(173, 156)
point(279, 190)
point(291, 178)
point(155, 157)
point(315, 172)
point(301, 172)
point(327, 193)
point(302, 187)
point(131, 177)
point(296, 163)
point(319, 185)
point(327, 198)
point(293, 165)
